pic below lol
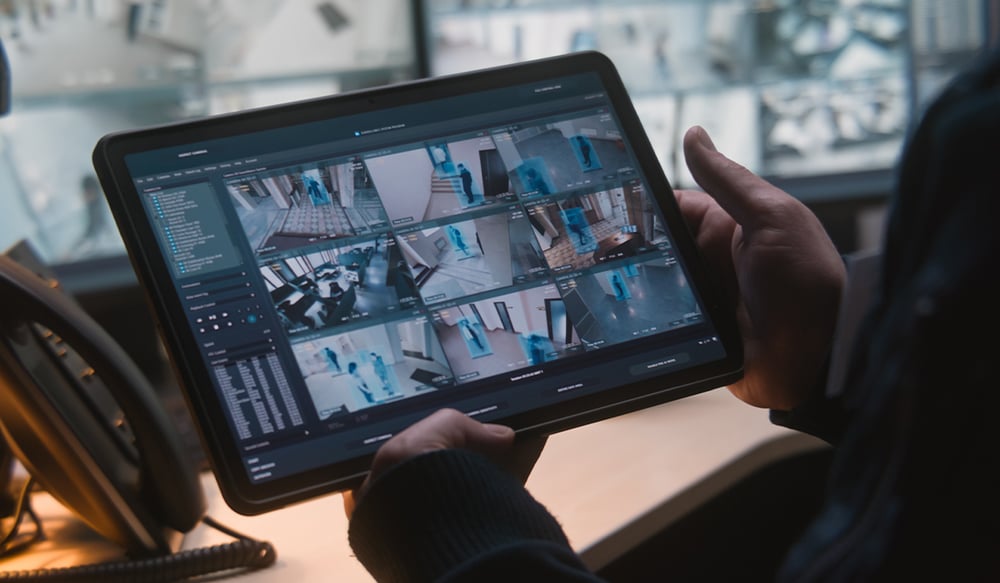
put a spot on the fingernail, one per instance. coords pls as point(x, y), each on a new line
point(498, 430)
point(706, 140)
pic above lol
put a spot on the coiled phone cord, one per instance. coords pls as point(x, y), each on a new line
point(243, 553)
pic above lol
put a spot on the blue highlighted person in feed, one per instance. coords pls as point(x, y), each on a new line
point(475, 339)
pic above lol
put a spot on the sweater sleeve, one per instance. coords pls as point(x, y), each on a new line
point(452, 515)
point(823, 413)
point(820, 416)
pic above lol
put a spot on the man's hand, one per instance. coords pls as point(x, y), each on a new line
point(783, 273)
point(451, 429)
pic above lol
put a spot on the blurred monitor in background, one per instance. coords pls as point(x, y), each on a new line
point(806, 92)
point(818, 91)
point(83, 68)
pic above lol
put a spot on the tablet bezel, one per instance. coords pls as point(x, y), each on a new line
point(153, 273)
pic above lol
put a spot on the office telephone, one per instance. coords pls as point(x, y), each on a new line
point(87, 426)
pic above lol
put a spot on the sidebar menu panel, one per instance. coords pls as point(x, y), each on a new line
point(190, 224)
point(228, 311)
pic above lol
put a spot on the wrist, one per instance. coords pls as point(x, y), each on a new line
point(429, 513)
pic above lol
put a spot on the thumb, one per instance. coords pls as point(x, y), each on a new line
point(740, 192)
point(489, 438)
point(444, 429)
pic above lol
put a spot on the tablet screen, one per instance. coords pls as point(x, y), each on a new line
point(326, 273)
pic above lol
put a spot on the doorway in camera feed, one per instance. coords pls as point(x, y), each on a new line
point(440, 179)
point(630, 299)
point(504, 333)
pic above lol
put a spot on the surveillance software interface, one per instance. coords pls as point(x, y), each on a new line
point(343, 278)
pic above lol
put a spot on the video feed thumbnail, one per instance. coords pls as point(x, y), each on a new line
point(442, 179)
point(292, 207)
point(579, 231)
point(563, 155)
point(505, 333)
point(372, 366)
point(629, 301)
point(453, 260)
point(329, 287)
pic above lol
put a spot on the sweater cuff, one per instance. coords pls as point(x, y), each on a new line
point(823, 413)
point(818, 418)
point(819, 415)
point(433, 512)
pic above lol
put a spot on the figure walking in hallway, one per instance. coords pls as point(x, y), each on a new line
point(466, 177)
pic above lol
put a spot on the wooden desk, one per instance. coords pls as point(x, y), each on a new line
point(611, 484)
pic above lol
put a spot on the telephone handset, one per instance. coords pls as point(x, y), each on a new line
point(129, 479)
point(88, 427)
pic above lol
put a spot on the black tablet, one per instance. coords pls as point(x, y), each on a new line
point(324, 273)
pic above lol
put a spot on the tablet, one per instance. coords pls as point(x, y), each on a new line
point(325, 273)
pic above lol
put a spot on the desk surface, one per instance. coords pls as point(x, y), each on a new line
point(610, 484)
